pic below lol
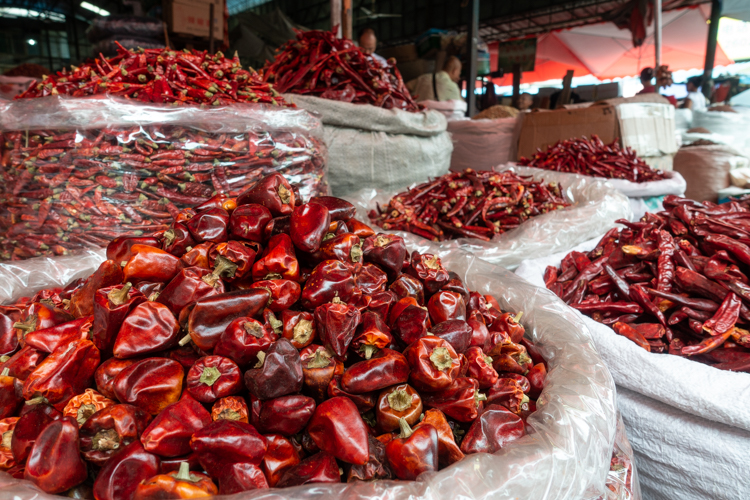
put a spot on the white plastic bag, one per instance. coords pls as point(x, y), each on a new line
point(706, 168)
point(644, 196)
point(482, 144)
point(568, 455)
point(595, 208)
point(380, 148)
point(689, 423)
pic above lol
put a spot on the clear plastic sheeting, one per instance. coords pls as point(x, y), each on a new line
point(664, 399)
point(78, 172)
point(568, 452)
point(596, 206)
point(18, 279)
point(622, 479)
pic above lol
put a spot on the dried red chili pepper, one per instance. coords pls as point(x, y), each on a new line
point(179, 484)
point(433, 362)
point(413, 451)
point(230, 408)
point(395, 403)
point(109, 430)
point(272, 192)
point(7, 427)
point(120, 476)
point(213, 377)
point(279, 373)
point(285, 415)
point(384, 369)
point(83, 406)
point(151, 384)
point(169, 433)
point(54, 463)
point(318, 468)
point(243, 339)
point(337, 428)
point(150, 327)
point(495, 428)
point(280, 456)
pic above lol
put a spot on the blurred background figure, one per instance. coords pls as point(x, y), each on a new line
point(368, 42)
point(695, 100)
point(440, 86)
point(647, 75)
point(524, 102)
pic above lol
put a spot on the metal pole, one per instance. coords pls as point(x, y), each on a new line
point(657, 35)
point(49, 49)
point(336, 16)
point(471, 58)
point(347, 20)
point(211, 28)
point(713, 31)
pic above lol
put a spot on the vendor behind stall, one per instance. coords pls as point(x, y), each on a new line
point(440, 86)
point(694, 100)
point(368, 42)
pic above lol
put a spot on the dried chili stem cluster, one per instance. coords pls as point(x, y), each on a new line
point(469, 204)
point(593, 157)
point(320, 64)
point(674, 282)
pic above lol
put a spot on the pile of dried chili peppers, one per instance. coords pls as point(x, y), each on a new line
point(262, 342)
point(161, 76)
point(593, 157)
point(65, 190)
point(674, 282)
point(318, 63)
point(468, 204)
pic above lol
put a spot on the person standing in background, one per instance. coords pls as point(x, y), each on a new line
point(647, 74)
point(368, 42)
point(440, 86)
point(695, 100)
point(524, 102)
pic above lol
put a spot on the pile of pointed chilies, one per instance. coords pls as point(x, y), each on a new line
point(675, 282)
point(262, 343)
point(593, 157)
point(319, 64)
point(469, 204)
point(71, 189)
point(162, 76)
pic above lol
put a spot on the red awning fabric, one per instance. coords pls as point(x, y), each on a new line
point(607, 52)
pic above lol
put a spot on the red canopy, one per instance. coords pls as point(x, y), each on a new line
point(607, 52)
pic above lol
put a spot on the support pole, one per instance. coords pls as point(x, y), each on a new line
point(657, 35)
point(347, 20)
point(472, 39)
point(336, 16)
point(49, 48)
point(713, 32)
point(516, 84)
point(211, 29)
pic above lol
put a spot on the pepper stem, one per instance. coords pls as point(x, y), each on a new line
point(253, 328)
point(37, 400)
point(119, 297)
point(441, 358)
point(479, 397)
point(356, 253)
point(222, 267)
point(7, 439)
point(169, 236)
point(320, 359)
point(228, 415)
point(5, 372)
point(382, 241)
point(185, 340)
point(406, 431)
point(4, 358)
point(488, 360)
point(432, 262)
point(399, 400)
point(261, 360)
point(276, 323)
point(368, 350)
point(107, 439)
point(303, 331)
point(183, 474)
point(84, 413)
point(517, 317)
point(210, 375)
point(27, 326)
point(284, 194)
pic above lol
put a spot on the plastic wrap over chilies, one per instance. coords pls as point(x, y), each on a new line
point(77, 172)
point(595, 207)
point(567, 454)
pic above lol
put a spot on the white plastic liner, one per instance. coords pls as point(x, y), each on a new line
point(567, 456)
point(596, 205)
point(689, 423)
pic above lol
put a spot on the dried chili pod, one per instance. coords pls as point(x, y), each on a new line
point(111, 429)
point(243, 339)
point(213, 377)
point(280, 456)
point(433, 362)
point(329, 279)
point(336, 324)
point(284, 293)
point(82, 406)
point(177, 240)
point(209, 225)
point(230, 408)
point(337, 428)
point(279, 373)
point(151, 264)
point(448, 450)
point(308, 225)
point(456, 332)
point(7, 427)
point(49, 339)
point(11, 394)
point(151, 384)
point(408, 286)
point(169, 433)
point(108, 273)
point(28, 427)
point(318, 468)
point(54, 463)
point(372, 334)
point(278, 261)
point(397, 402)
point(111, 306)
point(150, 327)
point(247, 222)
point(461, 400)
point(105, 374)
point(318, 369)
point(23, 362)
point(187, 288)
point(119, 477)
point(339, 210)
point(385, 250)
point(495, 428)
point(224, 442)
point(179, 484)
point(272, 192)
point(384, 369)
point(429, 270)
point(413, 451)
point(285, 415)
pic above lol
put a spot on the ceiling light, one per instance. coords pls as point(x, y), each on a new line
point(14, 12)
point(94, 8)
point(31, 41)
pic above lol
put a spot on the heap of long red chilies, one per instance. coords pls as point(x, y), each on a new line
point(317, 63)
point(593, 157)
point(675, 282)
point(161, 75)
point(468, 204)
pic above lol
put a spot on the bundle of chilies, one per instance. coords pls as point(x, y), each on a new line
point(674, 282)
point(318, 63)
point(161, 76)
point(262, 342)
point(71, 189)
point(468, 204)
point(593, 157)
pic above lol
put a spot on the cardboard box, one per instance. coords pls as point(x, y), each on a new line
point(648, 128)
point(402, 53)
point(541, 129)
point(664, 162)
point(192, 17)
